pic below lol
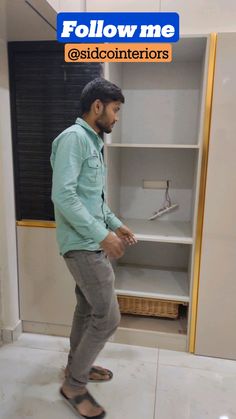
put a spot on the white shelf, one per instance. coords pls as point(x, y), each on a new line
point(151, 283)
point(174, 146)
point(160, 231)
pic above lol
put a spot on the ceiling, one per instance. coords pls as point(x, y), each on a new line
point(29, 20)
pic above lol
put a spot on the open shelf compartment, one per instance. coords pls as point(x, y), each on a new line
point(154, 270)
point(128, 168)
point(162, 101)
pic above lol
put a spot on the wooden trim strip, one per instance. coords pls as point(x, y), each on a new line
point(200, 217)
point(36, 223)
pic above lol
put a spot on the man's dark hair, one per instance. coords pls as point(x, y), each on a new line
point(101, 89)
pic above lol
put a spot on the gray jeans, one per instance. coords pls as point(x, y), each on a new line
point(97, 313)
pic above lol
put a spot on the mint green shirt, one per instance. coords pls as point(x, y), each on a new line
point(82, 216)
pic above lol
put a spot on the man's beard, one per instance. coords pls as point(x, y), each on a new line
point(102, 125)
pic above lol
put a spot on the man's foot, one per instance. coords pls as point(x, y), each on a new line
point(97, 374)
point(82, 402)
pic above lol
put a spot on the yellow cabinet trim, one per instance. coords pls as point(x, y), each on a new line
point(36, 223)
point(200, 216)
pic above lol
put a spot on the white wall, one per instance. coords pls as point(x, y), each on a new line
point(196, 16)
point(12, 27)
point(9, 308)
point(55, 4)
point(123, 5)
point(68, 5)
point(203, 16)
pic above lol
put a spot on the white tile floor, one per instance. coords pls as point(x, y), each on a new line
point(148, 383)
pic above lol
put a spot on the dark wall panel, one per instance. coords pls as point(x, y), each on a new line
point(45, 95)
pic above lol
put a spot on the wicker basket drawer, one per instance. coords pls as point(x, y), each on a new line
point(148, 306)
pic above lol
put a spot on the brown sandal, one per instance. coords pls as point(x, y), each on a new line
point(101, 371)
point(96, 370)
point(74, 401)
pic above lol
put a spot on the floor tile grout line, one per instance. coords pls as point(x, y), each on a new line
point(189, 367)
point(65, 351)
point(53, 350)
point(15, 344)
point(155, 401)
point(42, 349)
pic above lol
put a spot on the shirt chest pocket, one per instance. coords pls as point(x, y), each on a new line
point(94, 169)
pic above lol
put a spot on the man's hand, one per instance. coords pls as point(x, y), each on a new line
point(126, 235)
point(113, 246)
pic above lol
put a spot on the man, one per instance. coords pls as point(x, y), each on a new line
point(83, 223)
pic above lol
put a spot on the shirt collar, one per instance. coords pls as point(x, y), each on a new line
point(86, 126)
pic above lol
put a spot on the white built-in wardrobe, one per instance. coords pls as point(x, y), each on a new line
point(162, 135)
